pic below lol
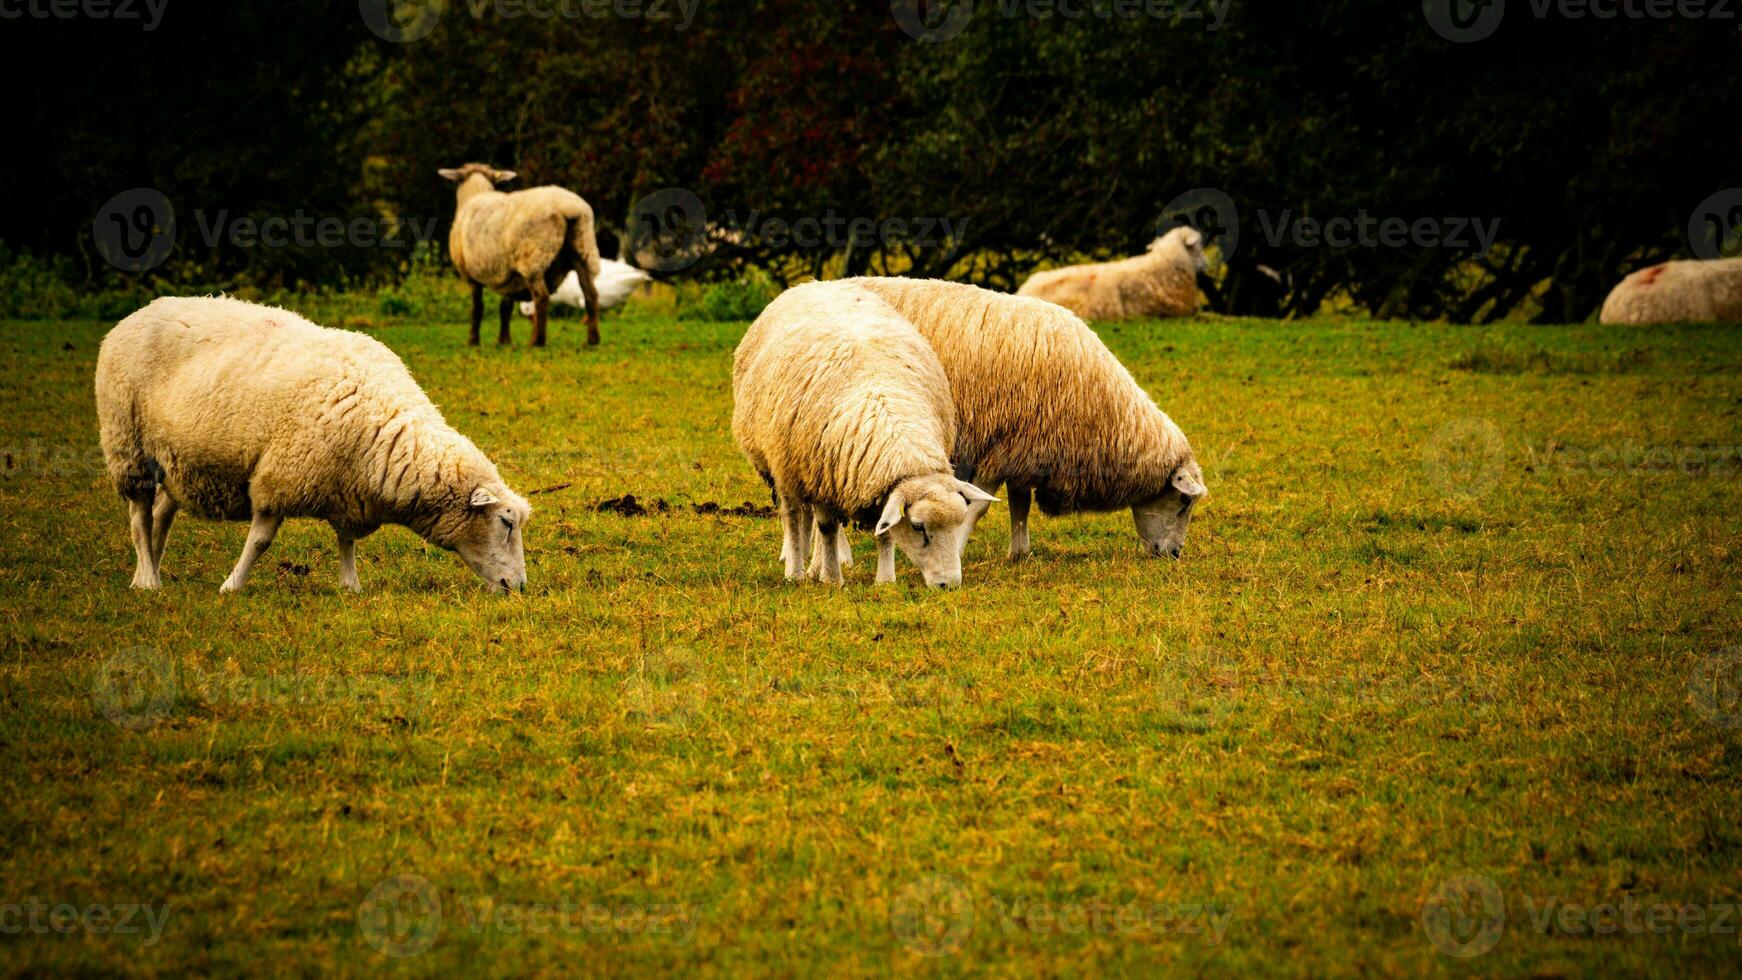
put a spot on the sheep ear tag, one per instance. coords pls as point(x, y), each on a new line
point(483, 498)
point(892, 512)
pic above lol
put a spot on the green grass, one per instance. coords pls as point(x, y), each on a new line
point(1439, 616)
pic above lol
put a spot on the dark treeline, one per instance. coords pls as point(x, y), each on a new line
point(1022, 139)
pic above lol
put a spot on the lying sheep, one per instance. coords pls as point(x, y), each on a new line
point(1678, 292)
point(1161, 283)
point(1043, 407)
point(243, 412)
point(616, 282)
point(844, 410)
point(521, 243)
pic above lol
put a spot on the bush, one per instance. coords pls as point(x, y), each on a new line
point(33, 288)
point(739, 299)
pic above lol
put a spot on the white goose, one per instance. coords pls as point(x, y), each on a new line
point(616, 282)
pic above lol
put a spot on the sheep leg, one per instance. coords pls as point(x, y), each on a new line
point(590, 290)
point(843, 550)
point(477, 311)
point(504, 337)
point(795, 520)
point(885, 560)
point(540, 308)
point(144, 570)
point(826, 558)
point(348, 563)
point(1020, 499)
point(260, 535)
point(162, 516)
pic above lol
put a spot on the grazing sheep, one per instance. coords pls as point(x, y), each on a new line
point(1678, 292)
point(1162, 282)
point(844, 410)
point(616, 282)
point(521, 243)
point(1044, 407)
point(242, 412)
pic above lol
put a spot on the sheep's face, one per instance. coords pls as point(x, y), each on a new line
point(489, 538)
point(927, 518)
point(1188, 240)
point(1162, 522)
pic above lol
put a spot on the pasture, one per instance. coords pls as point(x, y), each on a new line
point(1457, 623)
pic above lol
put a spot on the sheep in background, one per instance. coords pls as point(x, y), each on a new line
point(520, 243)
point(1044, 407)
point(1162, 282)
point(235, 411)
point(616, 282)
point(844, 410)
point(1678, 292)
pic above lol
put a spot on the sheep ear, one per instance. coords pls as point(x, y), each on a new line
point(892, 512)
point(973, 493)
point(1190, 487)
point(449, 172)
point(502, 176)
point(483, 498)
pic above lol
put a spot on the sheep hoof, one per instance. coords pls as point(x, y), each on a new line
point(146, 585)
point(228, 587)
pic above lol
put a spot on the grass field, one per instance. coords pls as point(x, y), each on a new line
point(1447, 668)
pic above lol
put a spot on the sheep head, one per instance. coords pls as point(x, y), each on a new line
point(1162, 521)
point(927, 518)
point(487, 536)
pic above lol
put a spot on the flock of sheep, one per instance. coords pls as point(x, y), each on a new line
point(899, 405)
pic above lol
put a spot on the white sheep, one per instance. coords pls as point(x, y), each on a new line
point(521, 243)
point(1678, 292)
point(1043, 407)
point(844, 410)
point(235, 411)
point(616, 282)
point(1163, 282)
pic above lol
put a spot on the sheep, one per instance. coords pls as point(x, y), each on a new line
point(1044, 408)
point(235, 411)
point(616, 282)
point(1678, 292)
point(1162, 282)
point(845, 412)
point(521, 243)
